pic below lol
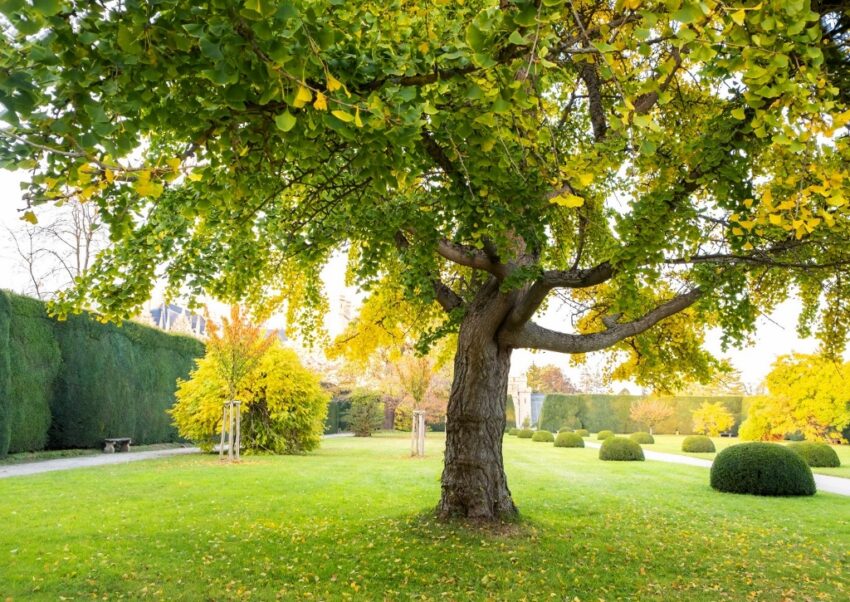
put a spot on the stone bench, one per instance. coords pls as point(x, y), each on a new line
point(123, 444)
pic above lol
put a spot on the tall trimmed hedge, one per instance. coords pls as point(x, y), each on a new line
point(73, 383)
point(611, 412)
point(510, 412)
point(35, 360)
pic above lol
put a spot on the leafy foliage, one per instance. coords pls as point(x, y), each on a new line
point(283, 407)
point(650, 411)
point(525, 434)
point(549, 378)
point(562, 411)
point(761, 469)
point(816, 455)
point(698, 444)
point(601, 435)
point(809, 394)
point(513, 432)
point(500, 131)
point(712, 419)
point(642, 438)
point(569, 440)
point(620, 449)
point(366, 414)
point(543, 436)
point(582, 432)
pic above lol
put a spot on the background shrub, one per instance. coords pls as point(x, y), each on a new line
point(569, 440)
point(582, 432)
point(366, 414)
point(698, 444)
point(642, 438)
point(565, 429)
point(819, 455)
point(525, 434)
point(604, 435)
point(761, 469)
point(544, 436)
point(513, 431)
point(620, 449)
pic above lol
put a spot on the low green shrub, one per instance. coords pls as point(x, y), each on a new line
point(698, 444)
point(565, 429)
point(642, 438)
point(569, 440)
point(525, 434)
point(620, 449)
point(543, 436)
point(601, 435)
point(514, 432)
point(761, 469)
point(582, 432)
point(819, 455)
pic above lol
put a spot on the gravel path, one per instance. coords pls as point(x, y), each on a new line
point(20, 470)
point(826, 483)
point(36, 467)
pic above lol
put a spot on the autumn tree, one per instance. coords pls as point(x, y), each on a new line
point(660, 165)
point(712, 419)
point(650, 411)
point(549, 378)
point(806, 394)
point(283, 406)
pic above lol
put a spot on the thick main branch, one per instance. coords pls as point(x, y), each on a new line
point(534, 336)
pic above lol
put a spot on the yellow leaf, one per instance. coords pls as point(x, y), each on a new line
point(837, 200)
point(195, 176)
point(109, 175)
point(632, 4)
point(767, 198)
point(749, 225)
point(775, 219)
point(357, 120)
point(748, 246)
point(333, 83)
point(343, 116)
point(739, 16)
point(748, 203)
point(585, 179)
point(424, 47)
point(737, 232)
point(567, 199)
point(841, 119)
point(30, 217)
point(302, 97)
point(174, 164)
point(321, 103)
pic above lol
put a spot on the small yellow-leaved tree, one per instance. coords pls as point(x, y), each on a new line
point(712, 419)
point(283, 406)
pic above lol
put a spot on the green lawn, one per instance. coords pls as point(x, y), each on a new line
point(673, 444)
point(351, 521)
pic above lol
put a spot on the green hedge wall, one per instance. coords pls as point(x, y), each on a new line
point(72, 383)
point(35, 360)
point(611, 412)
point(510, 413)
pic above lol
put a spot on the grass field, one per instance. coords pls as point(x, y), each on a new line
point(352, 522)
point(673, 444)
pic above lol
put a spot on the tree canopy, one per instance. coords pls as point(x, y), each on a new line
point(677, 151)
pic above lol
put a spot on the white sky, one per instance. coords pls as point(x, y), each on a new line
point(776, 334)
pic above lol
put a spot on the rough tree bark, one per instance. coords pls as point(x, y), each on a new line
point(474, 484)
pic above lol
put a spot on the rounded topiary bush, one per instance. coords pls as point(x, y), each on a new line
point(620, 449)
point(513, 431)
point(569, 440)
point(565, 429)
point(698, 444)
point(642, 438)
point(604, 435)
point(544, 436)
point(582, 432)
point(525, 434)
point(819, 455)
point(761, 469)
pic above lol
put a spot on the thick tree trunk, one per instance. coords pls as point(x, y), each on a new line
point(474, 483)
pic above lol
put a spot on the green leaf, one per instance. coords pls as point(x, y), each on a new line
point(343, 116)
point(475, 38)
point(285, 121)
point(516, 38)
point(689, 13)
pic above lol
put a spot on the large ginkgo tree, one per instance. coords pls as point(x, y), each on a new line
point(658, 165)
